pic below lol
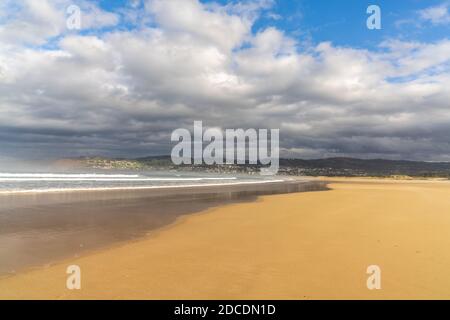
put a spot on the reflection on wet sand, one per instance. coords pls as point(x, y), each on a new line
point(37, 229)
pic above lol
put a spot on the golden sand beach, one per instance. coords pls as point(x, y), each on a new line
point(314, 245)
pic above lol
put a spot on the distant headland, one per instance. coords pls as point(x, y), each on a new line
point(332, 167)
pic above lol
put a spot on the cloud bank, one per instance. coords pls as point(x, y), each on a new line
point(123, 83)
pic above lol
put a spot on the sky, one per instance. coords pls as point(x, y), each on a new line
point(136, 70)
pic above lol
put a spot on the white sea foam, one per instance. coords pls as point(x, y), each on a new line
point(98, 179)
point(11, 183)
point(58, 175)
point(19, 177)
point(135, 187)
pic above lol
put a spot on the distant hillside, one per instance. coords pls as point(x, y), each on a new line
point(371, 167)
point(316, 167)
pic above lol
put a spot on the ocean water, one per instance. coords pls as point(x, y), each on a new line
point(48, 181)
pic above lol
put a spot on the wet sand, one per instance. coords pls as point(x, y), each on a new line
point(38, 229)
point(314, 245)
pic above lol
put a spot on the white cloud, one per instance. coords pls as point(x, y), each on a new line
point(412, 58)
point(436, 15)
point(93, 17)
point(33, 22)
point(30, 22)
point(190, 19)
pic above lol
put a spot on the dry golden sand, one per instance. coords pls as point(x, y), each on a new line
point(313, 245)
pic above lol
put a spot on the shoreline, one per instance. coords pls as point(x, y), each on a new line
point(55, 226)
point(98, 189)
